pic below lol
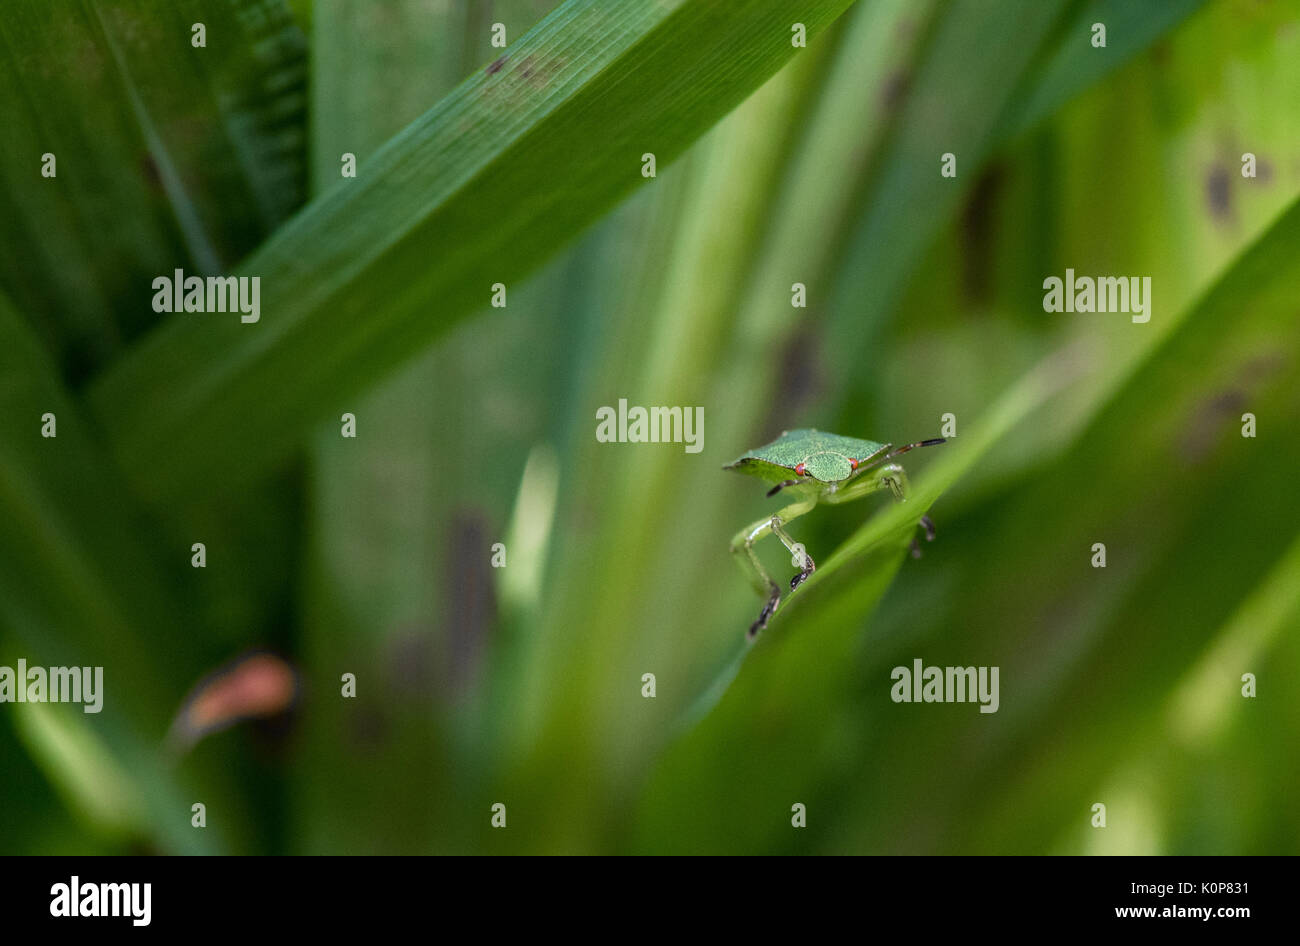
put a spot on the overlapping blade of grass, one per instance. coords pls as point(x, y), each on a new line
point(622, 498)
point(1192, 513)
point(167, 155)
point(1207, 752)
point(374, 71)
point(480, 190)
point(640, 579)
point(944, 112)
point(971, 319)
point(756, 359)
point(376, 68)
point(767, 372)
point(1073, 63)
point(34, 819)
point(680, 560)
point(1192, 250)
point(775, 693)
point(396, 589)
point(92, 782)
point(1172, 149)
point(1018, 49)
point(1191, 522)
point(80, 585)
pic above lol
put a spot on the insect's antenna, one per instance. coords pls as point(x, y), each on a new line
point(912, 446)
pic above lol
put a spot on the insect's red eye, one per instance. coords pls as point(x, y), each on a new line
point(853, 464)
point(799, 470)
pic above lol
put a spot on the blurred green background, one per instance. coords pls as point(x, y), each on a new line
point(475, 425)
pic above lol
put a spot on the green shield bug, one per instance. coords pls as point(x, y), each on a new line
point(815, 467)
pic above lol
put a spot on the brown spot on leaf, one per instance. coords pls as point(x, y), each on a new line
point(149, 168)
point(470, 597)
point(1259, 368)
point(977, 234)
point(799, 374)
point(1219, 414)
point(894, 90)
point(412, 660)
point(1218, 192)
point(368, 728)
point(1209, 421)
point(495, 67)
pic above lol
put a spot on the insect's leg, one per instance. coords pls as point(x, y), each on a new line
point(802, 560)
point(742, 548)
point(892, 477)
point(928, 526)
point(889, 477)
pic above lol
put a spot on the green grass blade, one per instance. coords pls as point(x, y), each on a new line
point(751, 205)
point(945, 112)
point(183, 156)
point(1031, 57)
point(481, 189)
point(79, 586)
point(804, 658)
point(375, 598)
point(1192, 519)
point(1191, 523)
point(810, 678)
point(1155, 793)
point(1073, 63)
point(896, 524)
point(91, 780)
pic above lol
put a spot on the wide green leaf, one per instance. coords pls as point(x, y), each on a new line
point(1074, 62)
point(1082, 661)
point(184, 156)
point(478, 191)
point(797, 667)
point(1031, 56)
point(81, 584)
point(388, 585)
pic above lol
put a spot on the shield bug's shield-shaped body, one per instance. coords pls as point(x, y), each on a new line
point(815, 467)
